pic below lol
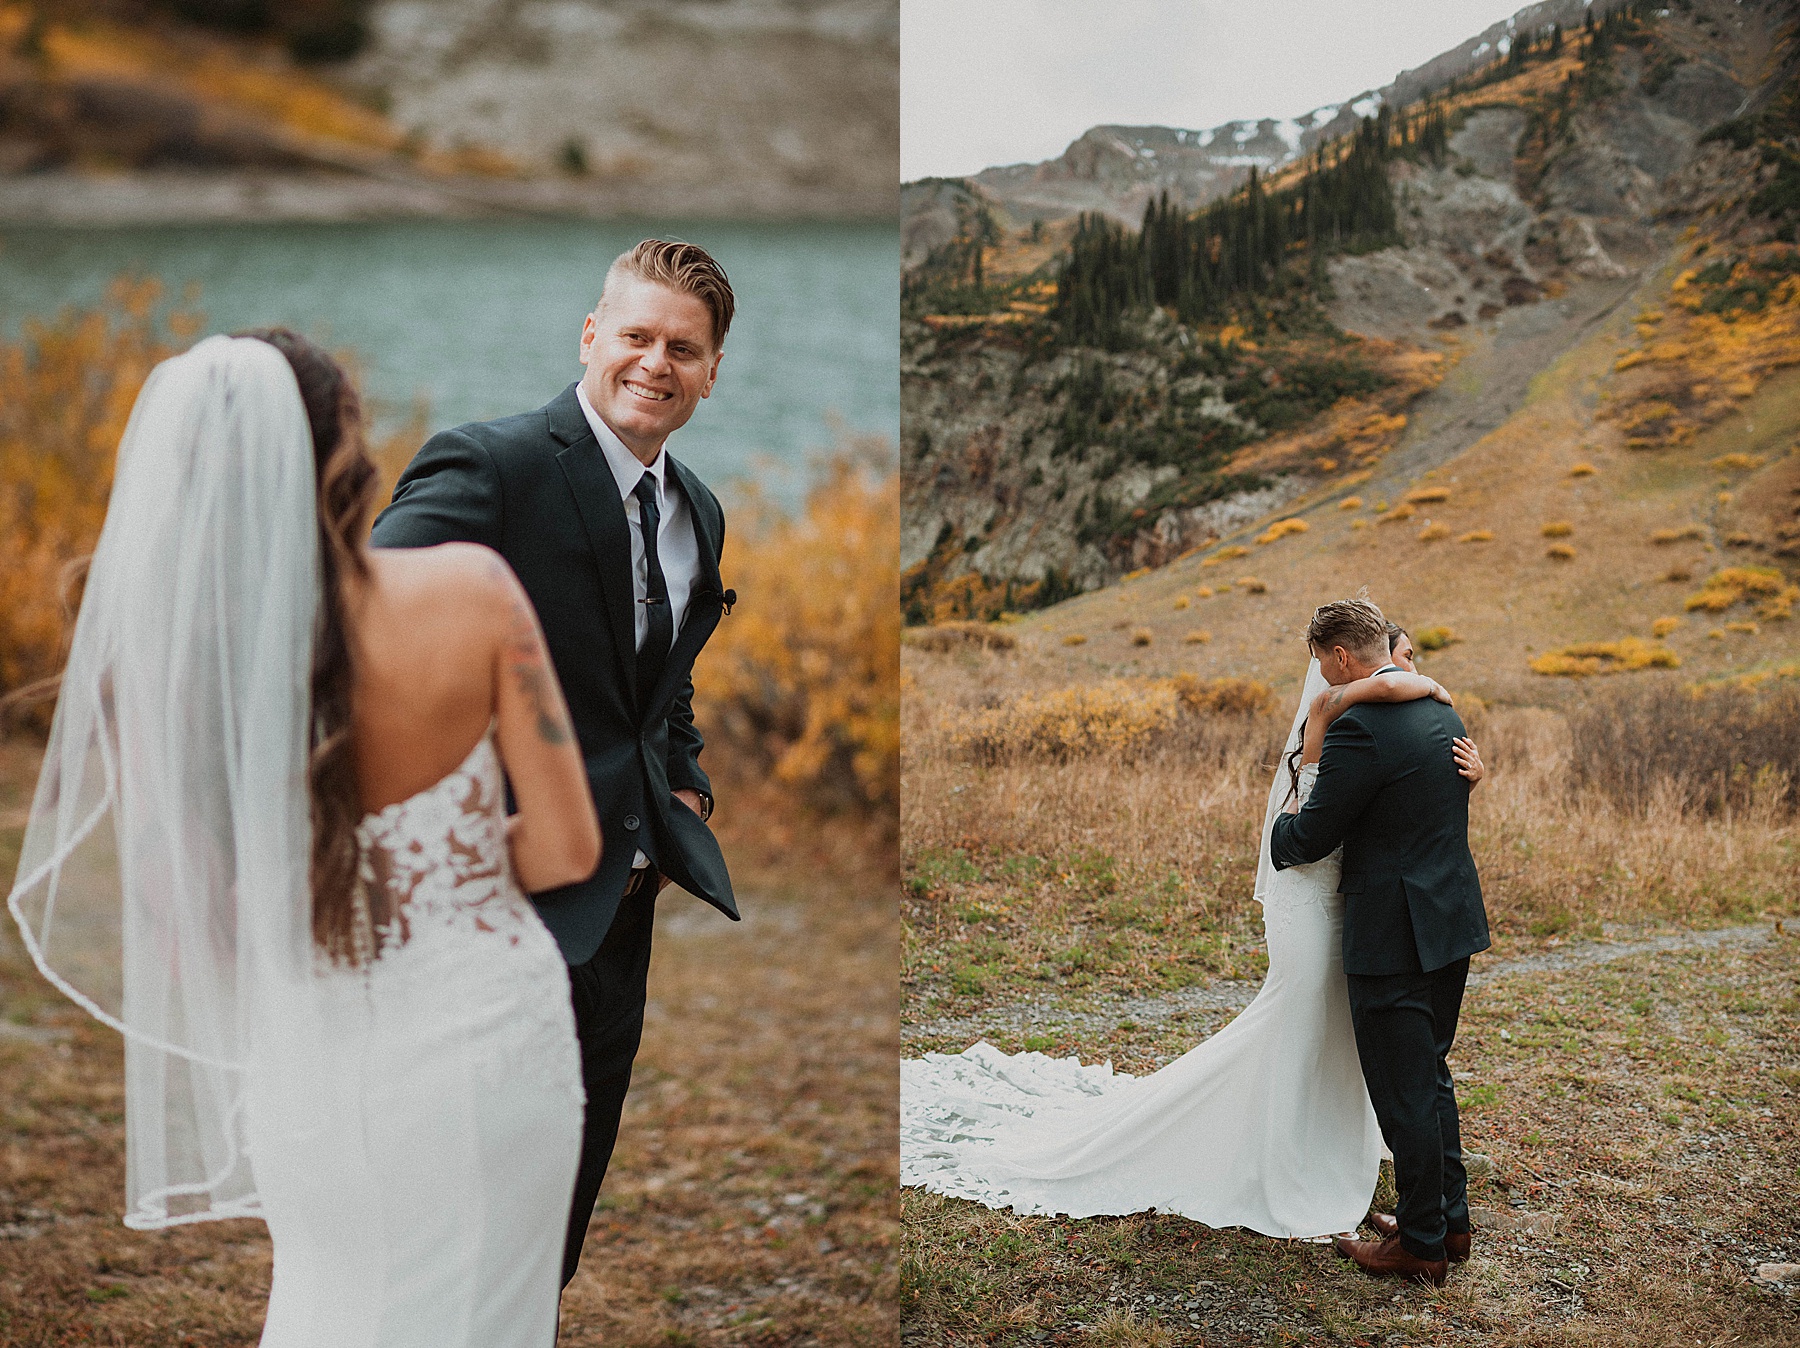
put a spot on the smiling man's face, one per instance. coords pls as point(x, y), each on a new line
point(650, 360)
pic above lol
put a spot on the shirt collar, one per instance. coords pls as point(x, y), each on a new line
point(626, 467)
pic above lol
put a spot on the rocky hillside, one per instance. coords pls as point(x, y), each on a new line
point(115, 110)
point(1568, 191)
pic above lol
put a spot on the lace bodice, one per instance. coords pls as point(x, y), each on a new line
point(437, 862)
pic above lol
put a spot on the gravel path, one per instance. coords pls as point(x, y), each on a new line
point(1041, 1014)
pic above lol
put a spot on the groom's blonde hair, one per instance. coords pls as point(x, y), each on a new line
point(1355, 624)
point(685, 267)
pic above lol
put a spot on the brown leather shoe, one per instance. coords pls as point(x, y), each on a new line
point(1387, 1259)
point(1456, 1243)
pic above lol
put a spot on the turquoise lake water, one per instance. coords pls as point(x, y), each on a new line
point(483, 318)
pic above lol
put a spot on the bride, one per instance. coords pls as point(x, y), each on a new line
point(270, 845)
point(1265, 1125)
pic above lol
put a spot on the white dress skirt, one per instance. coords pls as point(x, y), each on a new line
point(1266, 1125)
point(416, 1181)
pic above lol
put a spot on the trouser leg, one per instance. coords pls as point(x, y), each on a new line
point(1396, 1040)
point(608, 992)
point(1446, 999)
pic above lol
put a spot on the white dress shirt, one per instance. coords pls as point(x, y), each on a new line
point(677, 547)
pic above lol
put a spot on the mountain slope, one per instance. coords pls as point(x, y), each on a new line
point(1607, 479)
point(1566, 190)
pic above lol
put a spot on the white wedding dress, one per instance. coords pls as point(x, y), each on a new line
point(1266, 1125)
point(409, 1128)
point(416, 1176)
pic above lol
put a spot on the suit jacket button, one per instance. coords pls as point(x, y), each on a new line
point(632, 821)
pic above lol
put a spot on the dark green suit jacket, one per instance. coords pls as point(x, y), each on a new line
point(536, 488)
point(1389, 791)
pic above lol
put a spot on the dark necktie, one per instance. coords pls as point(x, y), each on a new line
point(654, 653)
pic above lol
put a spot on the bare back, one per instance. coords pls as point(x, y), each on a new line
point(446, 643)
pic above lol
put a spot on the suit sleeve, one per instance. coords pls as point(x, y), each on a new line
point(685, 740)
point(449, 493)
point(685, 744)
point(1349, 777)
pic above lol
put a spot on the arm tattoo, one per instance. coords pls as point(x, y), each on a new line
point(525, 656)
point(1336, 699)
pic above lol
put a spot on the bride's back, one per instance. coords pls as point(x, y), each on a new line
point(425, 631)
point(445, 643)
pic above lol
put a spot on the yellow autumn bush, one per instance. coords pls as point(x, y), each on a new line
point(1605, 657)
point(67, 386)
point(802, 680)
point(1281, 529)
point(1734, 585)
point(1115, 716)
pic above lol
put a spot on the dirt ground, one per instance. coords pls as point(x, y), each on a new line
point(751, 1200)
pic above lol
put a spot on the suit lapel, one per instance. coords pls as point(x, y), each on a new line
point(602, 513)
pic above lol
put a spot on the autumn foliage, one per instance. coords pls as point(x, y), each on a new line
point(801, 682)
point(66, 390)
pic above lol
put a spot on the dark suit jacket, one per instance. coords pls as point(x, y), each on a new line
point(536, 488)
point(1389, 791)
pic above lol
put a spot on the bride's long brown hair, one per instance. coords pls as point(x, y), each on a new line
point(347, 486)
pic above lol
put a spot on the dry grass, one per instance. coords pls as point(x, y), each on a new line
point(751, 1200)
point(1129, 866)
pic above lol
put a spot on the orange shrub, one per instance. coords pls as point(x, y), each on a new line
point(803, 679)
point(1557, 529)
point(1428, 495)
point(66, 390)
point(1477, 536)
point(1559, 552)
point(1431, 533)
point(1741, 584)
point(1350, 503)
point(1281, 529)
point(1604, 657)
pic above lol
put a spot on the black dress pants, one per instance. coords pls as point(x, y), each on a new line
point(1405, 1025)
point(608, 992)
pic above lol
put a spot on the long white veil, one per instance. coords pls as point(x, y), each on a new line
point(163, 883)
point(1279, 787)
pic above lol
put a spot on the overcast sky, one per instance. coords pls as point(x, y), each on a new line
point(986, 82)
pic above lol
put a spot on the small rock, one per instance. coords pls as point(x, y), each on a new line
point(1778, 1272)
point(1517, 1221)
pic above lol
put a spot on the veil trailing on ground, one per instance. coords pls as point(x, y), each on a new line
point(164, 879)
point(1278, 789)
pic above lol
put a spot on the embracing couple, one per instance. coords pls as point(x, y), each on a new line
point(1372, 909)
point(307, 784)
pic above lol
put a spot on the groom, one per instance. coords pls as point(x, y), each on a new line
point(617, 544)
point(1389, 791)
